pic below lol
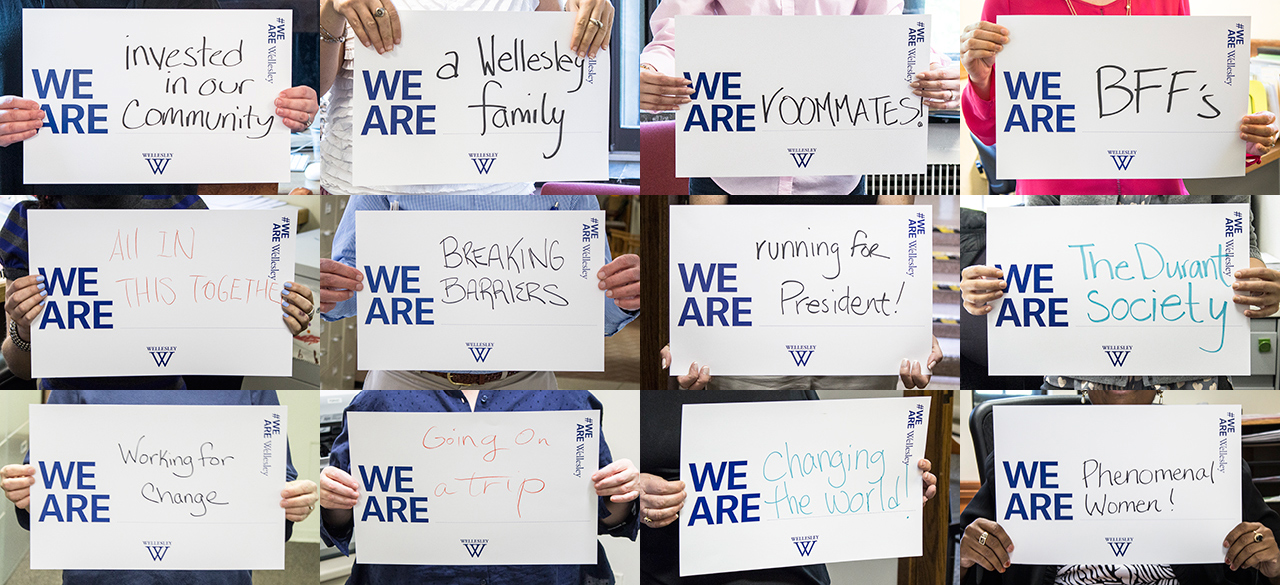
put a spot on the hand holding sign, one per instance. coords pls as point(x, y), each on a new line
point(1252, 546)
point(297, 106)
point(16, 480)
point(298, 304)
point(663, 93)
point(1260, 130)
point(986, 544)
point(979, 45)
point(593, 26)
point(660, 500)
point(25, 298)
point(618, 480)
point(1264, 283)
point(20, 119)
point(979, 286)
point(298, 498)
point(620, 279)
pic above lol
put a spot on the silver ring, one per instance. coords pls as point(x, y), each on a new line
point(982, 540)
point(379, 13)
point(597, 23)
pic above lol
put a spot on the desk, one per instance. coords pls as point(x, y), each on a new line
point(1258, 179)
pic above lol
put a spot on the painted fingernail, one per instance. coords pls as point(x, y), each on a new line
point(40, 278)
point(40, 286)
point(286, 303)
point(288, 285)
point(44, 293)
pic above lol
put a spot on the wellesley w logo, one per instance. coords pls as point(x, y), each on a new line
point(1122, 158)
point(1119, 546)
point(475, 546)
point(157, 549)
point(479, 351)
point(162, 355)
point(801, 353)
point(1118, 354)
point(483, 161)
point(802, 156)
point(158, 161)
point(804, 544)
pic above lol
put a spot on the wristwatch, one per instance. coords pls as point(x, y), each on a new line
point(17, 340)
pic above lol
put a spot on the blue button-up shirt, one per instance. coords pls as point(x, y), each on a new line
point(169, 397)
point(454, 401)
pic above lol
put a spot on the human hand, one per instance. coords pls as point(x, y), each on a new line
point(620, 281)
point(696, 379)
point(592, 27)
point(298, 498)
point(1260, 130)
point(939, 86)
point(297, 106)
point(660, 500)
point(930, 480)
point(338, 283)
point(980, 285)
point(24, 299)
point(661, 93)
point(298, 303)
point(618, 480)
point(1252, 545)
point(985, 544)
point(338, 490)
point(380, 32)
point(16, 480)
point(979, 45)
point(914, 375)
point(1264, 283)
point(20, 119)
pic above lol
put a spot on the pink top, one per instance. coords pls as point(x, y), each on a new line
point(661, 54)
point(980, 114)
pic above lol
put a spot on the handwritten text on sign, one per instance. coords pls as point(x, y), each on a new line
point(1067, 495)
point(756, 112)
point(157, 96)
point(1155, 97)
point(158, 487)
point(487, 488)
point(163, 292)
point(480, 97)
point(800, 290)
point(778, 484)
point(481, 290)
point(1121, 290)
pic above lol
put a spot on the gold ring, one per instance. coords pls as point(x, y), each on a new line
point(597, 23)
point(647, 520)
point(379, 13)
point(1257, 536)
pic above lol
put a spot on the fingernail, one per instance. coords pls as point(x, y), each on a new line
point(288, 285)
point(44, 293)
point(906, 363)
point(918, 92)
point(666, 363)
point(40, 278)
point(916, 83)
point(286, 303)
point(40, 286)
point(608, 293)
point(279, 102)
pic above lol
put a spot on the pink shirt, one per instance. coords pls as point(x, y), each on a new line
point(980, 114)
point(661, 54)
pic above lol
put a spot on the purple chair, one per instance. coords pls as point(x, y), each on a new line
point(589, 189)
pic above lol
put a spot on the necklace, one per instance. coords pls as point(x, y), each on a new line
point(1128, 8)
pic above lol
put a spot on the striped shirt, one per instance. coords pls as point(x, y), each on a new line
point(1116, 575)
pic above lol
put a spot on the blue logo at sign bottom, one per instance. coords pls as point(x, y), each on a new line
point(157, 549)
point(1122, 158)
point(483, 161)
point(801, 353)
point(1118, 354)
point(162, 355)
point(804, 544)
point(1119, 546)
point(475, 546)
point(480, 351)
point(158, 161)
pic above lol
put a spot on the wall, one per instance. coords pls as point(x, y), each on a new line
point(304, 446)
point(14, 541)
point(621, 426)
point(1265, 13)
point(311, 202)
point(1266, 218)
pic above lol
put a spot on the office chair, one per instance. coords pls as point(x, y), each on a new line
point(658, 160)
point(982, 429)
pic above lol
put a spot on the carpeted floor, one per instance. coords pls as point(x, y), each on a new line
point(621, 365)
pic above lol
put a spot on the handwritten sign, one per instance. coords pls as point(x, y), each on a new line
point(161, 292)
point(480, 97)
point(481, 290)
point(157, 96)
point(818, 108)
point(1117, 484)
point(1154, 97)
point(778, 290)
point(779, 484)
point(1119, 290)
point(157, 487)
point(482, 488)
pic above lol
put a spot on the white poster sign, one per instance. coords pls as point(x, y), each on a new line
point(800, 290)
point(817, 107)
point(157, 96)
point(481, 290)
point(1149, 97)
point(161, 292)
point(476, 488)
point(1108, 485)
point(157, 487)
point(480, 97)
point(780, 484)
point(1132, 290)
